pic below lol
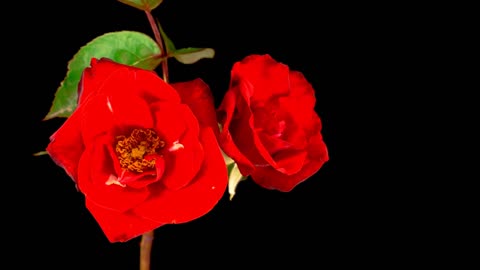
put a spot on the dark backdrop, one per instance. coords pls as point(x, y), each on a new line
point(326, 220)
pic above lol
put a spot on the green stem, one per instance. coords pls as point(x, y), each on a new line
point(158, 39)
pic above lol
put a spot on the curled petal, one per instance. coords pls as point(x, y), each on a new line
point(142, 180)
point(226, 117)
point(270, 178)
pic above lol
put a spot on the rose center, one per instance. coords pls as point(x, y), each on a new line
point(135, 152)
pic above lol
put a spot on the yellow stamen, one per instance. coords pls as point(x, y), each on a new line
point(131, 151)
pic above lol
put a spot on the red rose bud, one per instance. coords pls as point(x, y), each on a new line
point(269, 125)
point(140, 154)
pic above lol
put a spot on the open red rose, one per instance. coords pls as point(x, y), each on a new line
point(269, 125)
point(141, 156)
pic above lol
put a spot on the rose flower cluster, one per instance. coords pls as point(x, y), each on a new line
point(146, 153)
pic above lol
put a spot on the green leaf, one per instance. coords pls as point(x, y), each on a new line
point(192, 55)
point(142, 4)
point(169, 47)
point(125, 47)
point(185, 55)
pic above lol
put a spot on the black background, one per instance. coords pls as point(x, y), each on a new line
point(336, 217)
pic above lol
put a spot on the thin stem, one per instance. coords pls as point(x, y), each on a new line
point(158, 39)
point(146, 250)
point(147, 238)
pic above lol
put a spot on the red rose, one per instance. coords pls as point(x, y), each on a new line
point(270, 127)
point(138, 153)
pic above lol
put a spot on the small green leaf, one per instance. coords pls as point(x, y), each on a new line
point(192, 55)
point(185, 55)
point(142, 4)
point(125, 47)
point(169, 47)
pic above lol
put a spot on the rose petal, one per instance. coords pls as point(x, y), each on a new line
point(290, 161)
point(300, 88)
point(270, 178)
point(152, 88)
point(184, 163)
point(93, 77)
point(269, 77)
point(197, 95)
point(66, 146)
point(141, 180)
point(243, 132)
point(225, 115)
point(317, 149)
point(144, 83)
point(168, 122)
point(301, 104)
point(117, 114)
point(95, 169)
point(197, 198)
point(120, 227)
point(273, 144)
